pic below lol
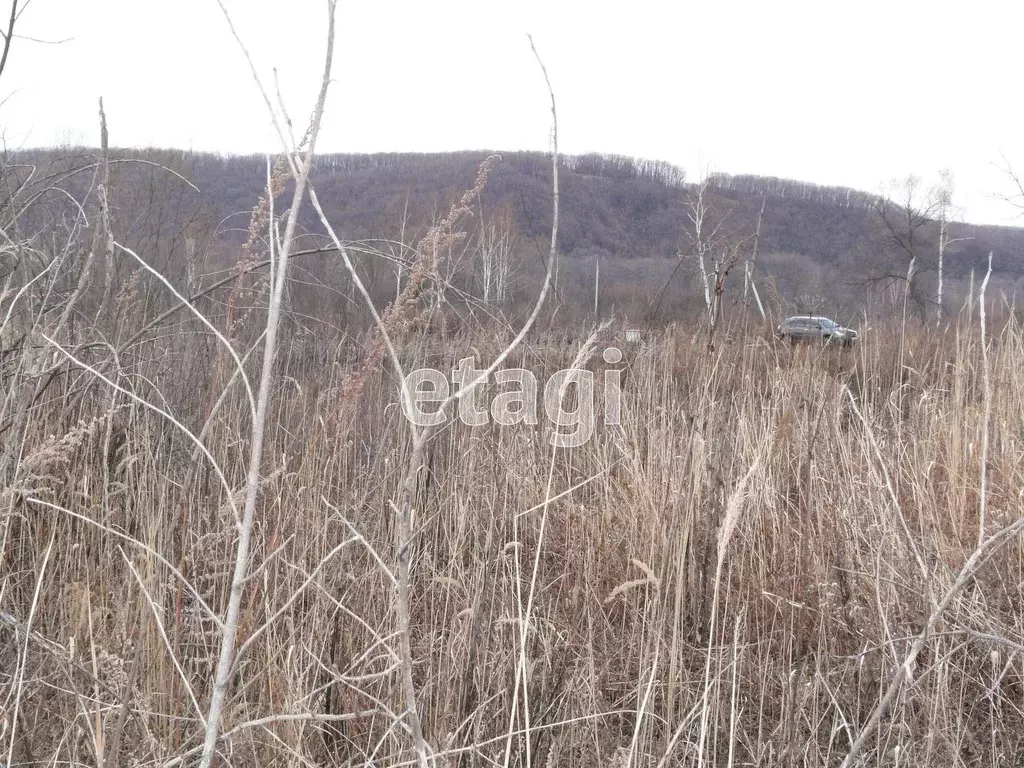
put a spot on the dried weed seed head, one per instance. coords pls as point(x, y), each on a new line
point(252, 251)
point(127, 298)
point(57, 451)
point(400, 316)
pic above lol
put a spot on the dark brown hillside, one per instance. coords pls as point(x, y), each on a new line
point(823, 246)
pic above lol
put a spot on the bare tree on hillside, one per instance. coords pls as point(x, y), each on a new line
point(942, 195)
point(497, 244)
point(907, 212)
point(749, 285)
point(703, 237)
point(715, 250)
point(1016, 196)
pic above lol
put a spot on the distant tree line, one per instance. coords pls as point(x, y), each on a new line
point(803, 191)
point(823, 248)
point(623, 167)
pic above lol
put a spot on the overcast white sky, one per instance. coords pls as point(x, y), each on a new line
point(836, 93)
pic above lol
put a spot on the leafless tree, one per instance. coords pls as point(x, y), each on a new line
point(702, 236)
point(716, 252)
point(749, 286)
point(497, 244)
point(907, 212)
point(942, 195)
point(1016, 196)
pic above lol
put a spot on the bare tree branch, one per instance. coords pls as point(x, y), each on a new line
point(9, 35)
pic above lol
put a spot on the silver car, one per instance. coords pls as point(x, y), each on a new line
point(813, 328)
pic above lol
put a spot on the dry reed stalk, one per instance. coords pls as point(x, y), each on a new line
point(231, 616)
point(402, 315)
point(984, 550)
point(525, 612)
point(19, 675)
point(725, 533)
point(100, 237)
point(403, 508)
point(259, 220)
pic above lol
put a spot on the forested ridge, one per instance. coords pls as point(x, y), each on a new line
point(823, 247)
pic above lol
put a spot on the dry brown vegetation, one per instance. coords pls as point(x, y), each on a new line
point(614, 545)
point(222, 544)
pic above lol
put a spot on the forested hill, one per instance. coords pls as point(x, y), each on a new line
point(611, 206)
point(631, 214)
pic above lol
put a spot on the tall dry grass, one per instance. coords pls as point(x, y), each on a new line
point(732, 577)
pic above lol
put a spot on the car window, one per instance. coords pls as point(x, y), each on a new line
point(801, 324)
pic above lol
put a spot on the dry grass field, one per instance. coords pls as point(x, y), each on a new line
point(222, 543)
point(734, 576)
